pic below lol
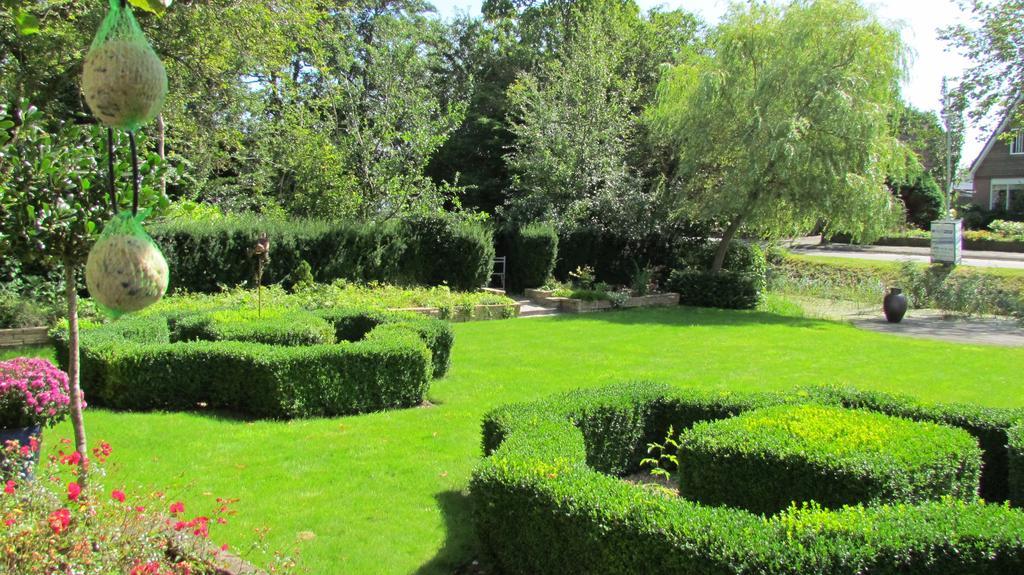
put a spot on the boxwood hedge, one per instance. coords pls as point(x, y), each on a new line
point(764, 460)
point(1016, 465)
point(156, 362)
point(542, 483)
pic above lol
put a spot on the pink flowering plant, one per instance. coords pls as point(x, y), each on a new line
point(32, 392)
point(55, 525)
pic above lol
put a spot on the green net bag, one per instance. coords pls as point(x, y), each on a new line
point(125, 271)
point(123, 80)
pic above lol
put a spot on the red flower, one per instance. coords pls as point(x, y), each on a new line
point(9, 487)
point(180, 525)
point(102, 452)
point(74, 490)
point(73, 458)
point(177, 507)
point(9, 522)
point(33, 444)
point(59, 520)
point(151, 568)
point(117, 495)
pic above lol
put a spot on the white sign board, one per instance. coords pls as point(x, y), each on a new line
point(947, 241)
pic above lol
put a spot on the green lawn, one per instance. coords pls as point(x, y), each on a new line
point(384, 493)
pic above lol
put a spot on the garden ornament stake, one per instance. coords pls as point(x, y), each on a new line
point(261, 251)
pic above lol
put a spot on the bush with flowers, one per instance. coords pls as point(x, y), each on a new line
point(32, 392)
point(54, 525)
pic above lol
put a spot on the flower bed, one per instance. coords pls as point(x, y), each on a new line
point(187, 359)
point(550, 469)
point(589, 301)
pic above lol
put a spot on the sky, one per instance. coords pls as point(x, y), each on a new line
point(919, 21)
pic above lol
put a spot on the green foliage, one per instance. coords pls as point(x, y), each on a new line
point(301, 278)
point(989, 39)
point(764, 460)
point(725, 289)
point(546, 478)
point(433, 251)
point(18, 311)
point(139, 363)
point(922, 199)
point(443, 249)
point(532, 252)
point(271, 326)
point(1015, 437)
point(785, 120)
point(961, 289)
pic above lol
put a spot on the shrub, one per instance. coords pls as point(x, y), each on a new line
point(271, 326)
point(32, 392)
point(532, 252)
point(540, 483)
point(443, 249)
point(740, 257)
point(725, 289)
point(1015, 443)
point(989, 426)
point(134, 363)
point(18, 311)
point(429, 250)
point(764, 460)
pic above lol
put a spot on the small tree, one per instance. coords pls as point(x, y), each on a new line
point(786, 121)
point(53, 202)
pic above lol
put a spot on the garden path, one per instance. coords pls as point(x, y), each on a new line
point(921, 323)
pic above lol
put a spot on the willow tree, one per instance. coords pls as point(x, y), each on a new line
point(785, 121)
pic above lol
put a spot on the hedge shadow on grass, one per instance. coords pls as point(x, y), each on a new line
point(459, 542)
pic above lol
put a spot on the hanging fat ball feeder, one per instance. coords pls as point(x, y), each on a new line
point(124, 84)
point(123, 80)
point(125, 271)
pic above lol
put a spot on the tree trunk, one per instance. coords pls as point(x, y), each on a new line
point(160, 138)
point(723, 246)
point(77, 421)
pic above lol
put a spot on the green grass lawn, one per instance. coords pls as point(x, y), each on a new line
point(384, 493)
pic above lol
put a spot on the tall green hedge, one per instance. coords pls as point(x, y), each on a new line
point(542, 504)
point(532, 251)
point(430, 250)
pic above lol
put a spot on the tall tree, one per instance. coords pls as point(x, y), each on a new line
point(993, 41)
point(786, 120)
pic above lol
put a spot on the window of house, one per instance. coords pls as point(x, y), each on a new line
point(1008, 195)
point(1017, 144)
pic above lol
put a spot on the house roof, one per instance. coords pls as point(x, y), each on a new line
point(995, 136)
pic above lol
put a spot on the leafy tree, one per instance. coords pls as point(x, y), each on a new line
point(53, 201)
point(785, 121)
point(992, 41)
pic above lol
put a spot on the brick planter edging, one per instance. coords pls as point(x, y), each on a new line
point(24, 336)
point(569, 305)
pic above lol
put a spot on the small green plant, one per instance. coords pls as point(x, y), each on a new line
point(664, 461)
point(618, 298)
point(301, 278)
point(641, 280)
point(583, 277)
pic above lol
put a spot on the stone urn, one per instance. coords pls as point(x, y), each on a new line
point(894, 305)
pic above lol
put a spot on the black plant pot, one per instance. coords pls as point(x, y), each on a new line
point(894, 305)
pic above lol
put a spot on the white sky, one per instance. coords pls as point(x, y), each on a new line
point(919, 21)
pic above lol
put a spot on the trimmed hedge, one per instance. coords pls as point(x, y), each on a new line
point(1016, 465)
point(738, 285)
point(764, 460)
point(532, 251)
point(430, 250)
point(272, 327)
point(989, 425)
point(540, 484)
point(725, 289)
point(353, 324)
point(138, 363)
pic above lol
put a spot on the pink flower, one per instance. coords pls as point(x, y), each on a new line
point(74, 490)
point(177, 507)
point(59, 520)
point(117, 495)
point(9, 488)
